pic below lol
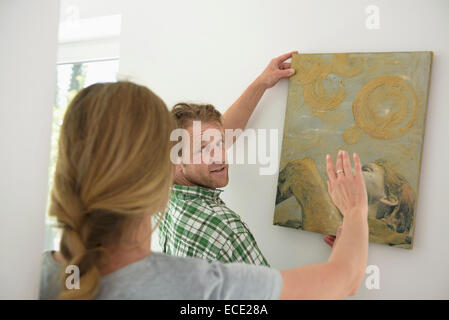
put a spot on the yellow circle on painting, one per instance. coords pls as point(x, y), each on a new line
point(346, 66)
point(311, 72)
point(308, 69)
point(315, 95)
point(385, 107)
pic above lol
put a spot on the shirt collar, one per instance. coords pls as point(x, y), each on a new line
point(196, 191)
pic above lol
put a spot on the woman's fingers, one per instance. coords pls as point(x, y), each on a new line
point(357, 165)
point(347, 164)
point(339, 166)
point(358, 172)
point(346, 193)
point(330, 168)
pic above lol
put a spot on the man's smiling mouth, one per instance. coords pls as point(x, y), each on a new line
point(219, 170)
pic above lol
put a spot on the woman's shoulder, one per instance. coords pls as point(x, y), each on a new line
point(50, 277)
point(158, 276)
point(161, 276)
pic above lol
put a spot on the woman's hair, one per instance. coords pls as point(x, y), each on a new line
point(396, 186)
point(113, 169)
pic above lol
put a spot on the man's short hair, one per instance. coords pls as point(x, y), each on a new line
point(186, 113)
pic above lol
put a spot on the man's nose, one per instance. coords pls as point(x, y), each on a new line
point(218, 157)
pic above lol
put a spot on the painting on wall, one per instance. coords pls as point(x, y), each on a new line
point(373, 104)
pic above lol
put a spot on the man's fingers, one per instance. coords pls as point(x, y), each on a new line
point(285, 65)
point(347, 164)
point(284, 57)
point(330, 168)
point(329, 240)
point(286, 73)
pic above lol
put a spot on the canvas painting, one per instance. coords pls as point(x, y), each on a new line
point(373, 104)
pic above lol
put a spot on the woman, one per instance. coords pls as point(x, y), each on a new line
point(114, 172)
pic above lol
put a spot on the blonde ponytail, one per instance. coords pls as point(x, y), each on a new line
point(113, 168)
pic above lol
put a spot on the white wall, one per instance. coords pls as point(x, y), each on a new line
point(89, 30)
point(210, 51)
point(28, 33)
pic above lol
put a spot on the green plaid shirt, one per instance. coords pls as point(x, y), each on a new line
point(198, 224)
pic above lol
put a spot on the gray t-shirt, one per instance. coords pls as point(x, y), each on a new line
point(160, 276)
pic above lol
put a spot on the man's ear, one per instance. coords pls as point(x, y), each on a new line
point(389, 201)
point(178, 172)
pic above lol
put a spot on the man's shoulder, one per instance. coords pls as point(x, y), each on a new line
point(193, 205)
point(217, 213)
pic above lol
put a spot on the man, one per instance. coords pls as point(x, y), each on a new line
point(197, 222)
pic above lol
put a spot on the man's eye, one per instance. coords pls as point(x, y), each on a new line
point(205, 148)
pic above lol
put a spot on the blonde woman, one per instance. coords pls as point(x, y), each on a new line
point(113, 174)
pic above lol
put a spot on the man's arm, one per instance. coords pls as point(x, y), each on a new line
point(237, 115)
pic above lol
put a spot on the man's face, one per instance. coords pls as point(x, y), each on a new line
point(212, 171)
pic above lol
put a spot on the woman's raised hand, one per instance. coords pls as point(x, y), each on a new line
point(345, 186)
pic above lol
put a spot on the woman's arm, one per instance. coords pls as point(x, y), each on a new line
point(342, 274)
